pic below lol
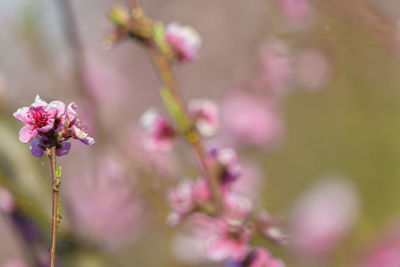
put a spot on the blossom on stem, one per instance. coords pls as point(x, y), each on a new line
point(160, 133)
point(231, 241)
point(51, 124)
point(75, 128)
point(227, 161)
point(184, 41)
point(39, 118)
point(205, 114)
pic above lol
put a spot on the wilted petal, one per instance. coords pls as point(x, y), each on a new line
point(64, 149)
point(36, 149)
point(71, 111)
point(27, 134)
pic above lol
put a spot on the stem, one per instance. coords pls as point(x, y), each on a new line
point(166, 75)
point(54, 215)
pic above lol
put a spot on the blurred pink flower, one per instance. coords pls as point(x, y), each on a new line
point(227, 162)
point(103, 203)
point(276, 67)
point(181, 200)
point(322, 217)
point(261, 257)
point(205, 114)
point(7, 200)
point(296, 10)
point(237, 206)
point(40, 117)
point(160, 133)
point(184, 41)
point(313, 69)
point(386, 252)
point(15, 263)
point(251, 119)
point(231, 241)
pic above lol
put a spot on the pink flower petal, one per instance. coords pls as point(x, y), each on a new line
point(27, 134)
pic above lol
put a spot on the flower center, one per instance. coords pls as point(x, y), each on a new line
point(38, 116)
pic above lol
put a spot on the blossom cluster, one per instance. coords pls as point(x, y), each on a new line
point(229, 238)
point(161, 132)
point(51, 124)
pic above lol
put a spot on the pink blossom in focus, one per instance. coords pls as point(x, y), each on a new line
point(276, 67)
point(184, 41)
point(15, 263)
point(296, 10)
point(7, 200)
point(231, 241)
point(251, 119)
point(160, 133)
point(313, 69)
point(205, 114)
point(322, 217)
point(40, 117)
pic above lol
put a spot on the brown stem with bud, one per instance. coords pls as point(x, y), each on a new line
point(55, 217)
point(164, 69)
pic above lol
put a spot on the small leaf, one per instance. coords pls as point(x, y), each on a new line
point(58, 171)
point(174, 110)
point(159, 39)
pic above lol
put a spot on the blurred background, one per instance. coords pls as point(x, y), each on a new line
point(309, 93)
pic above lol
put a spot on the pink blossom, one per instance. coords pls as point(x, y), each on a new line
point(15, 263)
point(313, 69)
point(201, 192)
point(296, 10)
point(260, 257)
point(251, 119)
point(205, 114)
point(230, 241)
point(227, 161)
point(187, 197)
point(276, 67)
point(39, 118)
point(74, 126)
point(237, 206)
point(322, 217)
point(160, 133)
point(7, 200)
point(184, 41)
point(385, 252)
point(267, 225)
point(181, 198)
